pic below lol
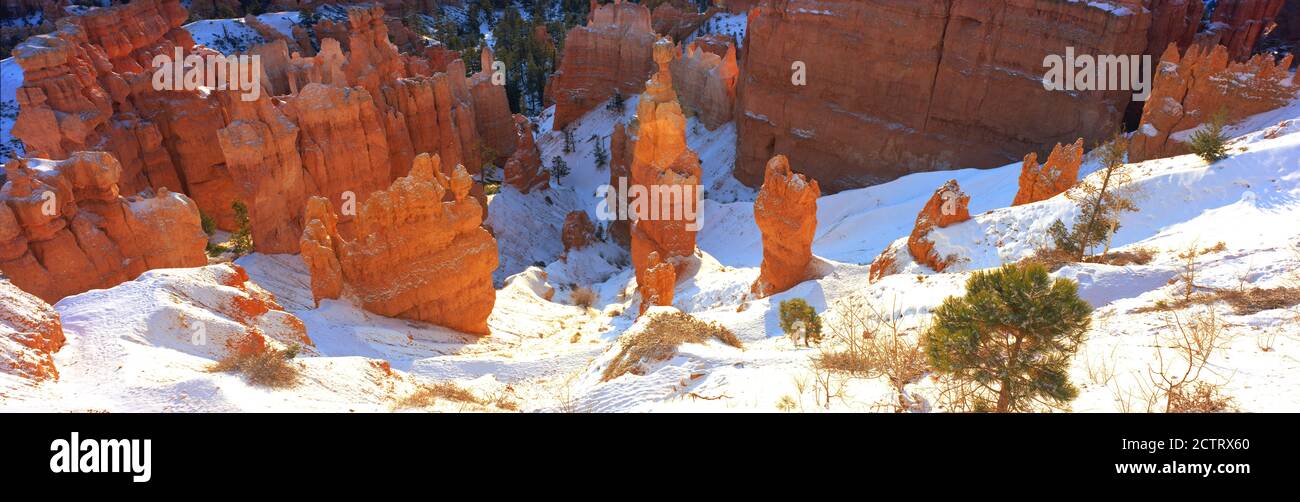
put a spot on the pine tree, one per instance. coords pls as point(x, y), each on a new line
point(796, 313)
point(601, 156)
point(1101, 198)
point(559, 168)
point(617, 103)
point(1210, 143)
point(242, 240)
point(1013, 336)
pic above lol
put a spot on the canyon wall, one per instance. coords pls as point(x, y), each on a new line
point(899, 86)
point(612, 52)
point(706, 83)
point(1190, 89)
point(30, 334)
point(64, 228)
point(342, 125)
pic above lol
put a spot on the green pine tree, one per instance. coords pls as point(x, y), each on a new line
point(242, 240)
point(559, 168)
point(599, 153)
point(1210, 143)
point(1013, 336)
point(796, 310)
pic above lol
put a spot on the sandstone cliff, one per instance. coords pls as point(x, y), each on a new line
point(415, 256)
point(895, 87)
point(706, 83)
point(30, 334)
point(65, 229)
point(613, 51)
point(1190, 89)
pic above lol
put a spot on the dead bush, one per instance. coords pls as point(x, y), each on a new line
point(268, 368)
point(871, 342)
point(428, 394)
point(1247, 301)
point(1138, 256)
point(1201, 398)
point(1050, 258)
point(659, 341)
point(583, 297)
point(1193, 342)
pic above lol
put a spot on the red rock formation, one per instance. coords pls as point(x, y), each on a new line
point(496, 125)
point(30, 334)
point(678, 19)
point(1238, 25)
point(656, 283)
point(716, 43)
point(620, 172)
point(1189, 90)
point(524, 169)
point(740, 6)
point(64, 229)
point(578, 231)
point(1057, 175)
point(899, 86)
point(948, 206)
point(706, 83)
point(611, 52)
point(786, 213)
point(1173, 21)
point(661, 162)
point(261, 150)
point(415, 256)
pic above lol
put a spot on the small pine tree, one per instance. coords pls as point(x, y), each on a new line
point(1101, 199)
point(208, 224)
point(568, 141)
point(559, 169)
point(600, 154)
point(1013, 335)
point(617, 103)
point(242, 240)
point(1210, 143)
point(795, 311)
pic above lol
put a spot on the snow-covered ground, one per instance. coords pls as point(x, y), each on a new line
point(132, 347)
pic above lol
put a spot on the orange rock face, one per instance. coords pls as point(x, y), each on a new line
point(30, 334)
point(347, 123)
point(1057, 175)
point(948, 206)
point(662, 163)
point(786, 213)
point(678, 18)
point(496, 125)
point(1189, 90)
point(578, 231)
point(524, 170)
point(899, 87)
point(620, 168)
point(1238, 25)
point(613, 51)
point(415, 256)
point(64, 229)
point(706, 83)
point(1173, 21)
point(656, 283)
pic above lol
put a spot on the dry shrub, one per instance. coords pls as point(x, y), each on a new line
point(871, 342)
point(1247, 301)
point(583, 297)
point(1193, 341)
point(268, 368)
point(1202, 397)
point(659, 341)
point(1050, 258)
point(428, 394)
point(1139, 256)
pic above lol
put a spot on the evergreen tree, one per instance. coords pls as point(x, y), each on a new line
point(242, 240)
point(795, 313)
point(1101, 199)
point(601, 156)
point(559, 168)
point(1210, 143)
point(1013, 336)
point(617, 103)
point(568, 140)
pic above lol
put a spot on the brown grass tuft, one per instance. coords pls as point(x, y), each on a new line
point(659, 341)
point(268, 368)
point(583, 297)
point(428, 394)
